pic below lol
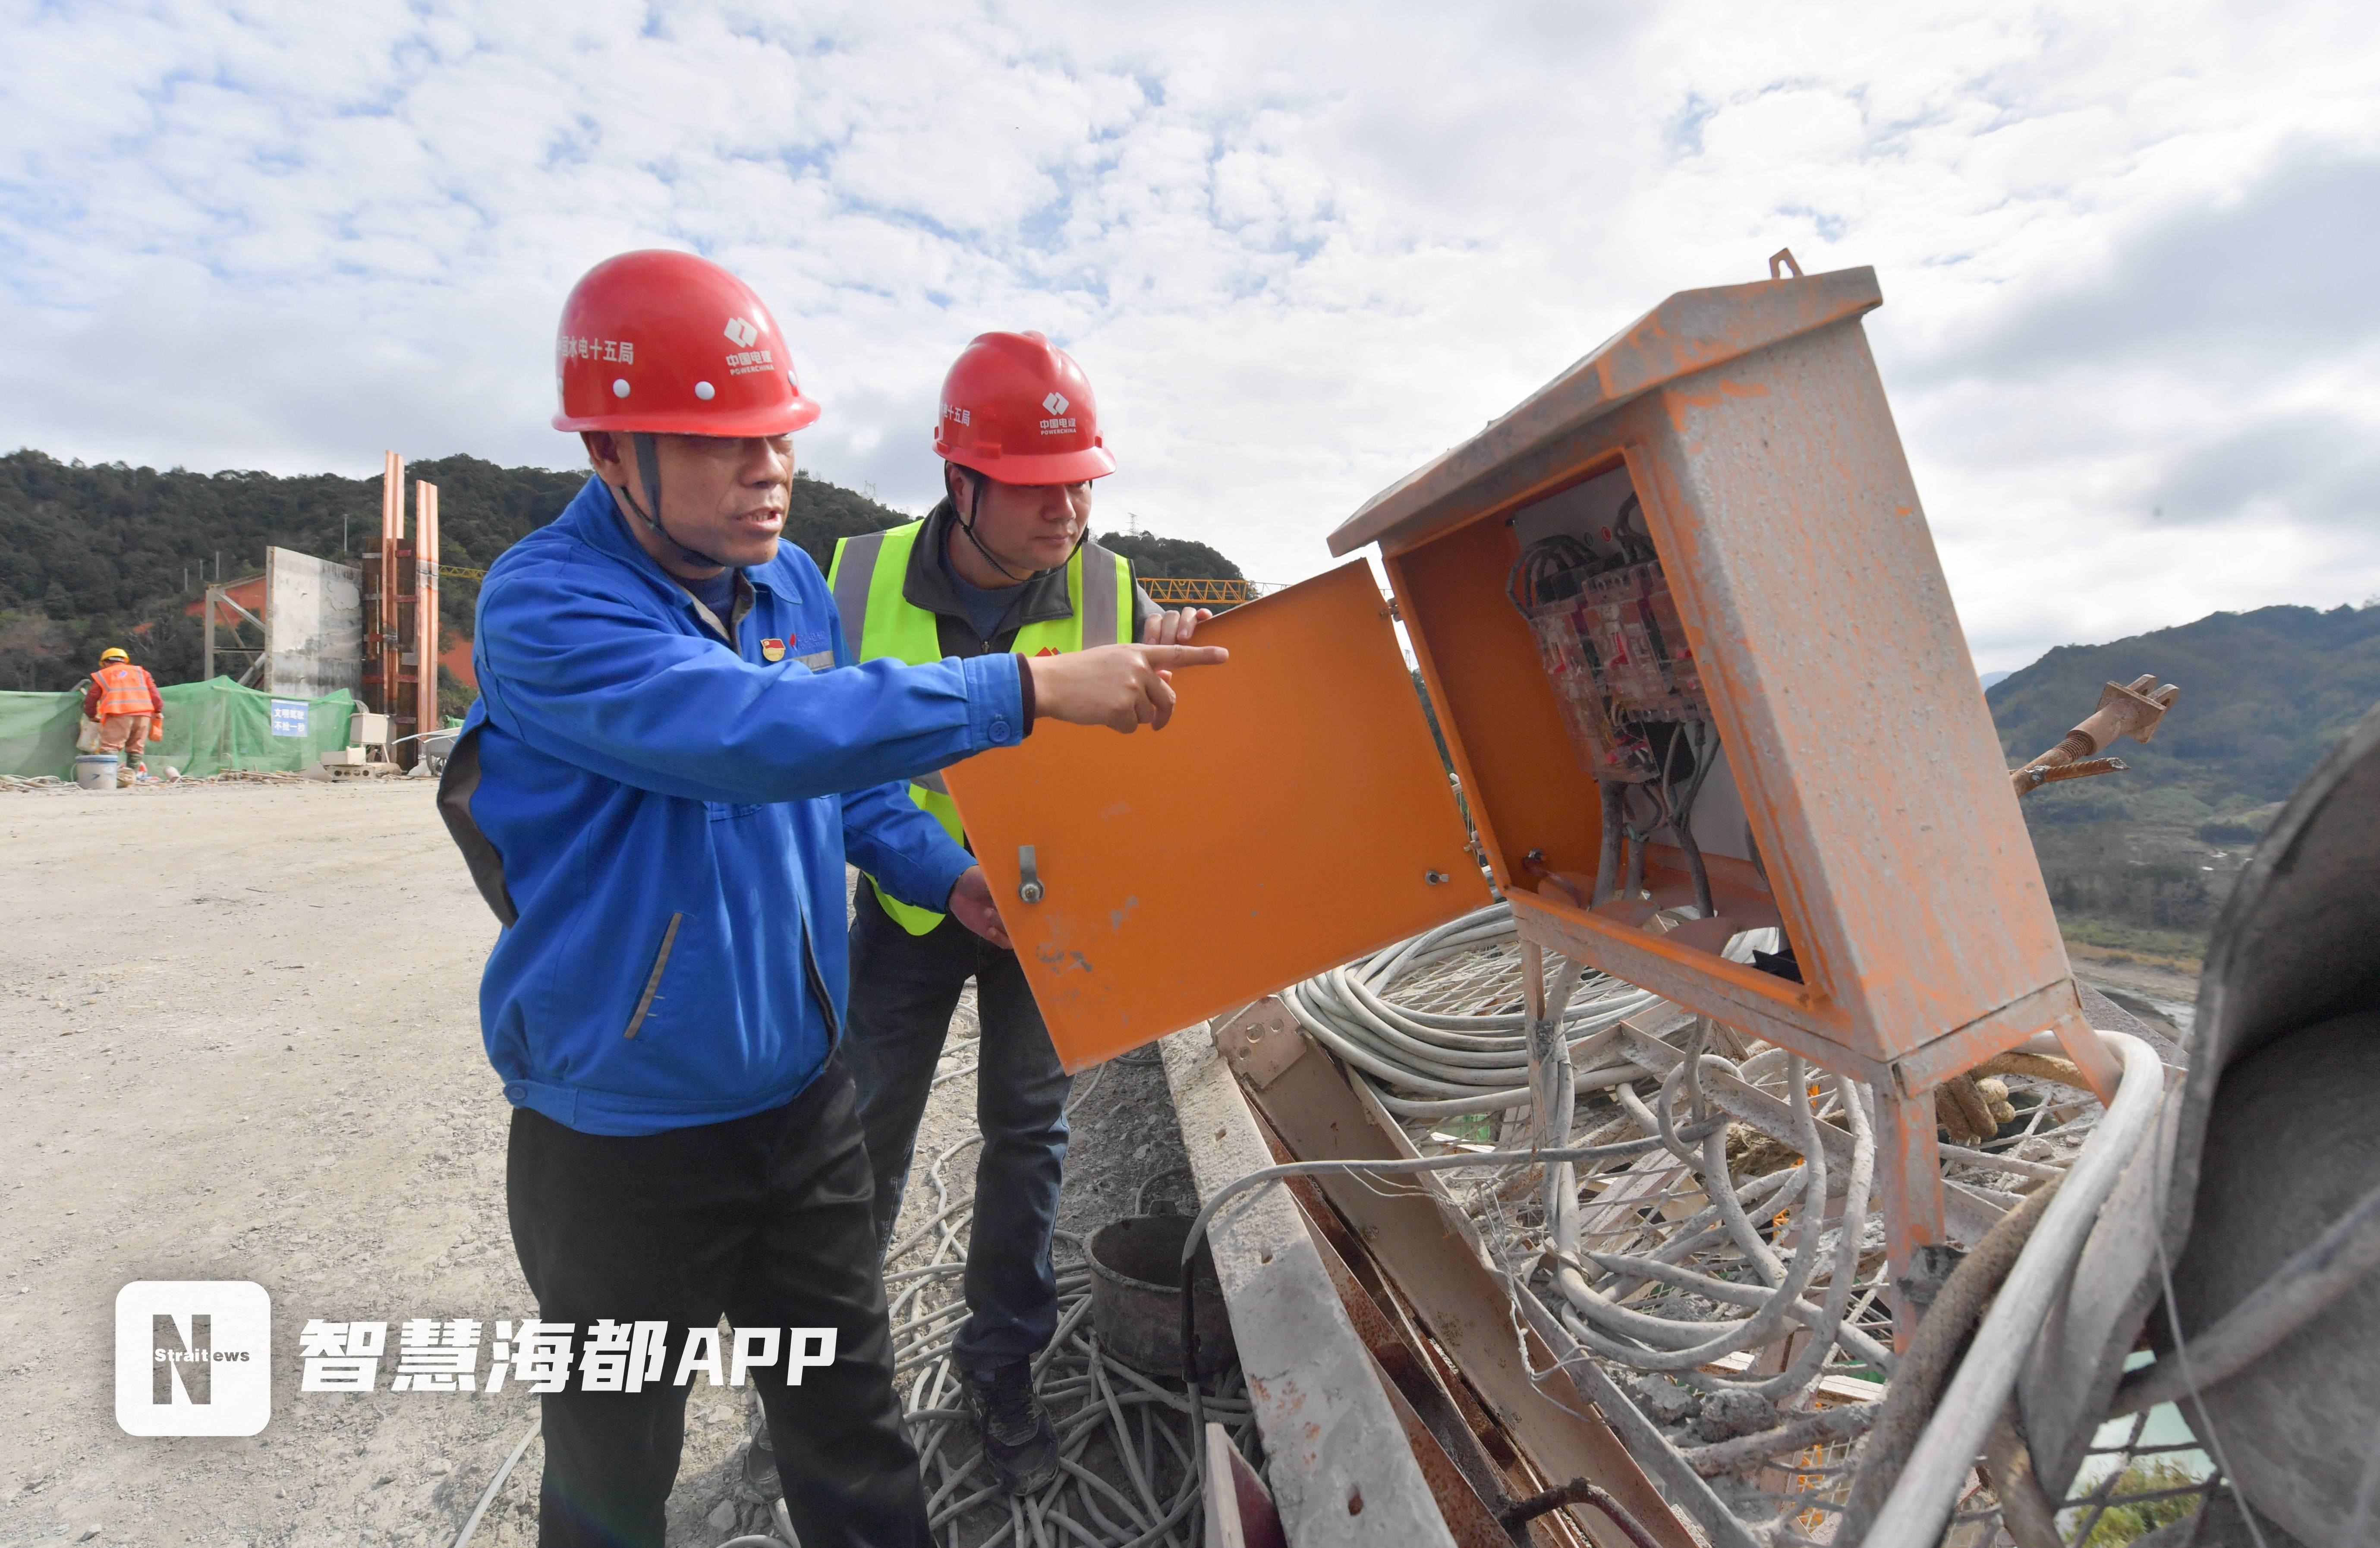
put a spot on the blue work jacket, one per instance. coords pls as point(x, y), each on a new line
point(660, 822)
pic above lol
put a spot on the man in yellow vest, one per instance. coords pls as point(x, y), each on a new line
point(1003, 564)
point(124, 700)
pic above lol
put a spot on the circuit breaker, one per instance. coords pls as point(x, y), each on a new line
point(1697, 672)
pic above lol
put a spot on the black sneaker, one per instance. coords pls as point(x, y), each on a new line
point(758, 1479)
point(1018, 1439)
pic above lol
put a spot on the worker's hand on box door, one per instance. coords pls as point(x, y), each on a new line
point(1121, 686)
point(1173, 629)
point(971, 901)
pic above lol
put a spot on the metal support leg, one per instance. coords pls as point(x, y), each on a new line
point(1533, 1010)
point(2091, 1056)
point(1909, 1168)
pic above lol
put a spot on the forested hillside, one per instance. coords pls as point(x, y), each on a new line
point(93, 556)
point(1169, 557)
point(2142, 860)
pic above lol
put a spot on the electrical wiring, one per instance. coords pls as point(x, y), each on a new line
point(1378, 1014)
point(1712, 1233)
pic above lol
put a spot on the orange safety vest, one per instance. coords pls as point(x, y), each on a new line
point(125, 689)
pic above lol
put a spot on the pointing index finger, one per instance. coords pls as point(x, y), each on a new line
point(1168, 657)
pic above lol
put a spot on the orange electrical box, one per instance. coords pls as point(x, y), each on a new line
point(1699, 673)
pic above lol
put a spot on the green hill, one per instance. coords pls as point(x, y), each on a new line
point(2139, 862)
point(1171, 558)
point(93, 556)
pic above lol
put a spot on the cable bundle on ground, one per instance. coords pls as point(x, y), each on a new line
point(1127, 1471)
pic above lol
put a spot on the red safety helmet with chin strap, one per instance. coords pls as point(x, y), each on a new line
point(660, 343)
point(669, 343)
point(1018, 410)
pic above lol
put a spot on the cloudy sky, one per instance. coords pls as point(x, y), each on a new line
point(2130, 252)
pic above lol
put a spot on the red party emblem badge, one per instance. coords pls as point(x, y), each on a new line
point(773, 649)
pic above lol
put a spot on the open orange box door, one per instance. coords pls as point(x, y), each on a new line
point(1294, 813)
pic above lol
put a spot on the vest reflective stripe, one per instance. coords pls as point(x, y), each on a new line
point(1094, 582)
point(879, 621)
point(854, 565)
point(123, 690)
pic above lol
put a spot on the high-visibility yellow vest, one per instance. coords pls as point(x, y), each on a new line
point(879, 621)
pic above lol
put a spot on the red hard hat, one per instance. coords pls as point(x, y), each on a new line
point(673, 344)
point(1018, 410)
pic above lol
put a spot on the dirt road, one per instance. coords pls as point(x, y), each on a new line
point(241, 1042)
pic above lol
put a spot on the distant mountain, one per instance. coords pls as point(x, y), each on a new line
point(1989, 678)
point(2142, 858)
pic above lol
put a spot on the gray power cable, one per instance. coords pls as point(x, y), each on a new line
point(463, 1539)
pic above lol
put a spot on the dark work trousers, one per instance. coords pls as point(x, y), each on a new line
point(763, 1219)
point(903, 989)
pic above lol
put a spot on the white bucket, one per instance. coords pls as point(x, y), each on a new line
point(96, 772)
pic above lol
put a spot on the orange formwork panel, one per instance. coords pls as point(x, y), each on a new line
point(1294, 814)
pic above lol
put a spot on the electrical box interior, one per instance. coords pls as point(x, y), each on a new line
point(1653, 833)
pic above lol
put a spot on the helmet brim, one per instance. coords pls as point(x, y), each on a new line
point(1076, 467)
point(776, 420)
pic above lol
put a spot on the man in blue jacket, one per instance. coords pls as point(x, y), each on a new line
point(671, 756)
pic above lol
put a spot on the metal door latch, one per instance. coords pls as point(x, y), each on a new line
point(1028, 886)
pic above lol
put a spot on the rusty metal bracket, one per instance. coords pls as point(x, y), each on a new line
point(2133, 709)
point(2050, 773)
point(1261, 1042)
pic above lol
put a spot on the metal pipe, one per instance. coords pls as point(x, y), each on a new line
point(1578, 1491)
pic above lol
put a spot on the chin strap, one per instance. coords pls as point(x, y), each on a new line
point(648, 472)
point(974, 481)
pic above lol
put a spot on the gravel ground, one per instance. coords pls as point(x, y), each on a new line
point(241, 1042)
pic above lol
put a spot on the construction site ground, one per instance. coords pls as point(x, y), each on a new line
point(241, 1037)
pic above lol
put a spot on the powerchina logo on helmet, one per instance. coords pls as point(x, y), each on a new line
point(193, 1357)
point(746, 358)
point(1059, 423)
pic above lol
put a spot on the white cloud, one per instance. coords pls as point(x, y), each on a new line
point(1299, 250)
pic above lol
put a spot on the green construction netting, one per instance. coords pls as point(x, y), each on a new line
point(210, 727)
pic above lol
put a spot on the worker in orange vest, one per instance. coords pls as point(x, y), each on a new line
point(122, 699)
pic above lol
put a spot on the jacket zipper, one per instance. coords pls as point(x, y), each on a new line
point(653, 984)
